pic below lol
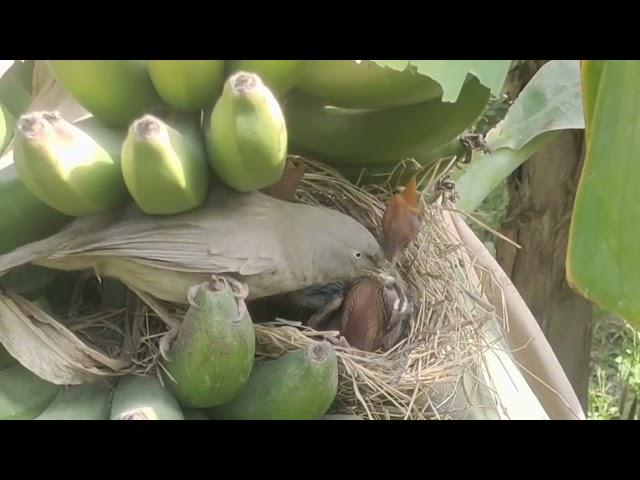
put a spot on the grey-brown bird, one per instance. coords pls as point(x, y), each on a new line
point(271, 245)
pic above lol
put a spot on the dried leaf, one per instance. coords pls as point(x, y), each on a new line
point(49, 349)
point(285, 188)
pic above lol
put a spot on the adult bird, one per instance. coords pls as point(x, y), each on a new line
point(273, 246)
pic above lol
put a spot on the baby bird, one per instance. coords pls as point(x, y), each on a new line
point(374, 314)
point(401, 222)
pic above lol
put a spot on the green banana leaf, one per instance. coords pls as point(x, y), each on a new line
point(603, 259)
point(552, 100)
point(591, 75)
point(451, 74)
point(549, 104)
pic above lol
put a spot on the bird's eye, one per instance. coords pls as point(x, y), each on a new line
point(357, 255)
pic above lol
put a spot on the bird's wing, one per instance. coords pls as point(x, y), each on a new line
point(231, 232)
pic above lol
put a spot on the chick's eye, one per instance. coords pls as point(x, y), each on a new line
point(357, 255)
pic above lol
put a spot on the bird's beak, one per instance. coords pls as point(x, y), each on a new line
point(386, 273)
point(389, 269)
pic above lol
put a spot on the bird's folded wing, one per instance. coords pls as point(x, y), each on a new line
point(222, 236)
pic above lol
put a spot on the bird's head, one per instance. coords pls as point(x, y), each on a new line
point(349, 250)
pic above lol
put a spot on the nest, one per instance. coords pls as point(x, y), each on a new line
point(420, 378)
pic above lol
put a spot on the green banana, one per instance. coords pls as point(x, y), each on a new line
point(212, 357)
point(24, 217)
point(246, 134)
point(279, 76)
point(6, 359)
point(194, 414)
point(188, 85)
point(300, 385)
point(165, 166)
point(7, 127)
point(374, 137)
point(72, 168)
point(114, 91)
point(88, 401)
point(23, 395)
point(143, 398)
point(365, 84)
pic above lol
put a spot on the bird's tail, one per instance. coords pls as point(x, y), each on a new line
point(52, 245)
point(31, 252)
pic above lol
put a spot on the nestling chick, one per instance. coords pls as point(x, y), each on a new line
point(374, 314)
point(401, 221)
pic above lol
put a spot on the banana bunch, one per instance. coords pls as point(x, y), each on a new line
point(161, 135)
point(163, 131)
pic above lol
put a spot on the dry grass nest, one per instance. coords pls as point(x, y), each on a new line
point(419, 377)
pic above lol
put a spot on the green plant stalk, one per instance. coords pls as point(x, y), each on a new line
point(487, 171)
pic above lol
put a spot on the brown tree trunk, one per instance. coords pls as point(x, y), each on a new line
point(541, 196)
